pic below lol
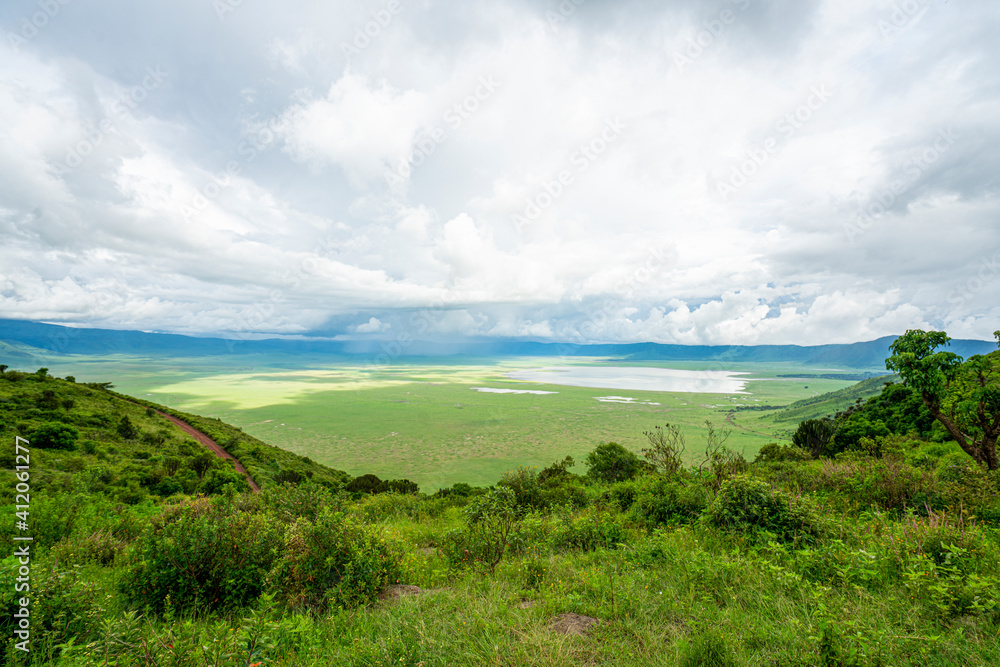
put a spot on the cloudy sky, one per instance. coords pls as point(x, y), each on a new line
point(723, 171)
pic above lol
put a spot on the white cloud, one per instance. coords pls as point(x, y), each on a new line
point(373, 325)
point(249, 193)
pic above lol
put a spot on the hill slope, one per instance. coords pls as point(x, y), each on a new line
point(832, 402)
point(86, 438)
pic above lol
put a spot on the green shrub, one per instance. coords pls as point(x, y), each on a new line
point(169, 487)
point(126, 430)
point(590, 531)
point(772, 452)
point(335, 561)
point(610, 462)
point(661, 501)
point(367, 483)
point(217, 480)
point(290, 502)
point(490, 522)
point(747, 504)
point(54, 436)
point(205, 554)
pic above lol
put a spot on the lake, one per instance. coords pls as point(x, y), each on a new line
point(637, 379)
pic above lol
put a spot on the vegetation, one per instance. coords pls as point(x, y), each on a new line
point(963, 396)
point(873, 548)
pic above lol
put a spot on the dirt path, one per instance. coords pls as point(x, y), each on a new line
point(211, 444)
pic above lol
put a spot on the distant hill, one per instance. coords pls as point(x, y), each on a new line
point(69, 340)
point(832, 402)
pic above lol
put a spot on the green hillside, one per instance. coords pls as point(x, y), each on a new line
point(147, 550)
point(110, 445)
point(832, 402)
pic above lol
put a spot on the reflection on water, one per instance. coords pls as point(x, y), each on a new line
point(637, 379)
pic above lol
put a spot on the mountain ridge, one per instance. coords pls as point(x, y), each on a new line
point(72, 340)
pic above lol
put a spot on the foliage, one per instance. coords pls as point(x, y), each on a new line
point(203, 555)
point(963, 396)
point(610, 462)
point(815, 436)
point(747, 504)
point(666, 449)
point(490, 521)
point(773, 452)
point(335, 561)
point(54, 436)
point(660, 502)
point(126, 430)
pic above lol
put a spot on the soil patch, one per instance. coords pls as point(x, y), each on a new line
point(572, 624)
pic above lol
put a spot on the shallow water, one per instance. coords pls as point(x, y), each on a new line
point(637, 379)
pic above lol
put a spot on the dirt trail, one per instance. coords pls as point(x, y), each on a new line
point(213, 445)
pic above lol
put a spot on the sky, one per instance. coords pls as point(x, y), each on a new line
point(695, 172)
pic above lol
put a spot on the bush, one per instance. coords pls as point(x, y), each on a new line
point(368, 483)
point(661, 501)
point(204, 554)
point(169, 487)
point(335, 561)
point(590, 531)
point(744, 503)
point(126, 430)
point(490, 521)
point(610, 462)
point(772, 452)
point(666, 449)
point(217, 480)
point(54, 436)
point(815, 436)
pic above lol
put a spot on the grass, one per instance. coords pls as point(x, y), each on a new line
point(422, 420)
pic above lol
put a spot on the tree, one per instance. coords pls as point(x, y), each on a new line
point(126, 430)
point(611, 462)
point(963, 396)
point(54, 436)
point(815, 436)
point(666, 449)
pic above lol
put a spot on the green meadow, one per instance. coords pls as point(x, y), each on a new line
point(423, 420)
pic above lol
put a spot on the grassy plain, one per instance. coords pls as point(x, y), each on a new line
point(424, 421)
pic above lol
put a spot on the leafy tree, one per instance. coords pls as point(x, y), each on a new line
point(816, 436)
point(54, 436)
point(666, 447)
point(367, 483)
point(559, 470)
point(490, 521)
point(610, 462)
point(963, 396)
point(48, 400)
point(126, 430)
